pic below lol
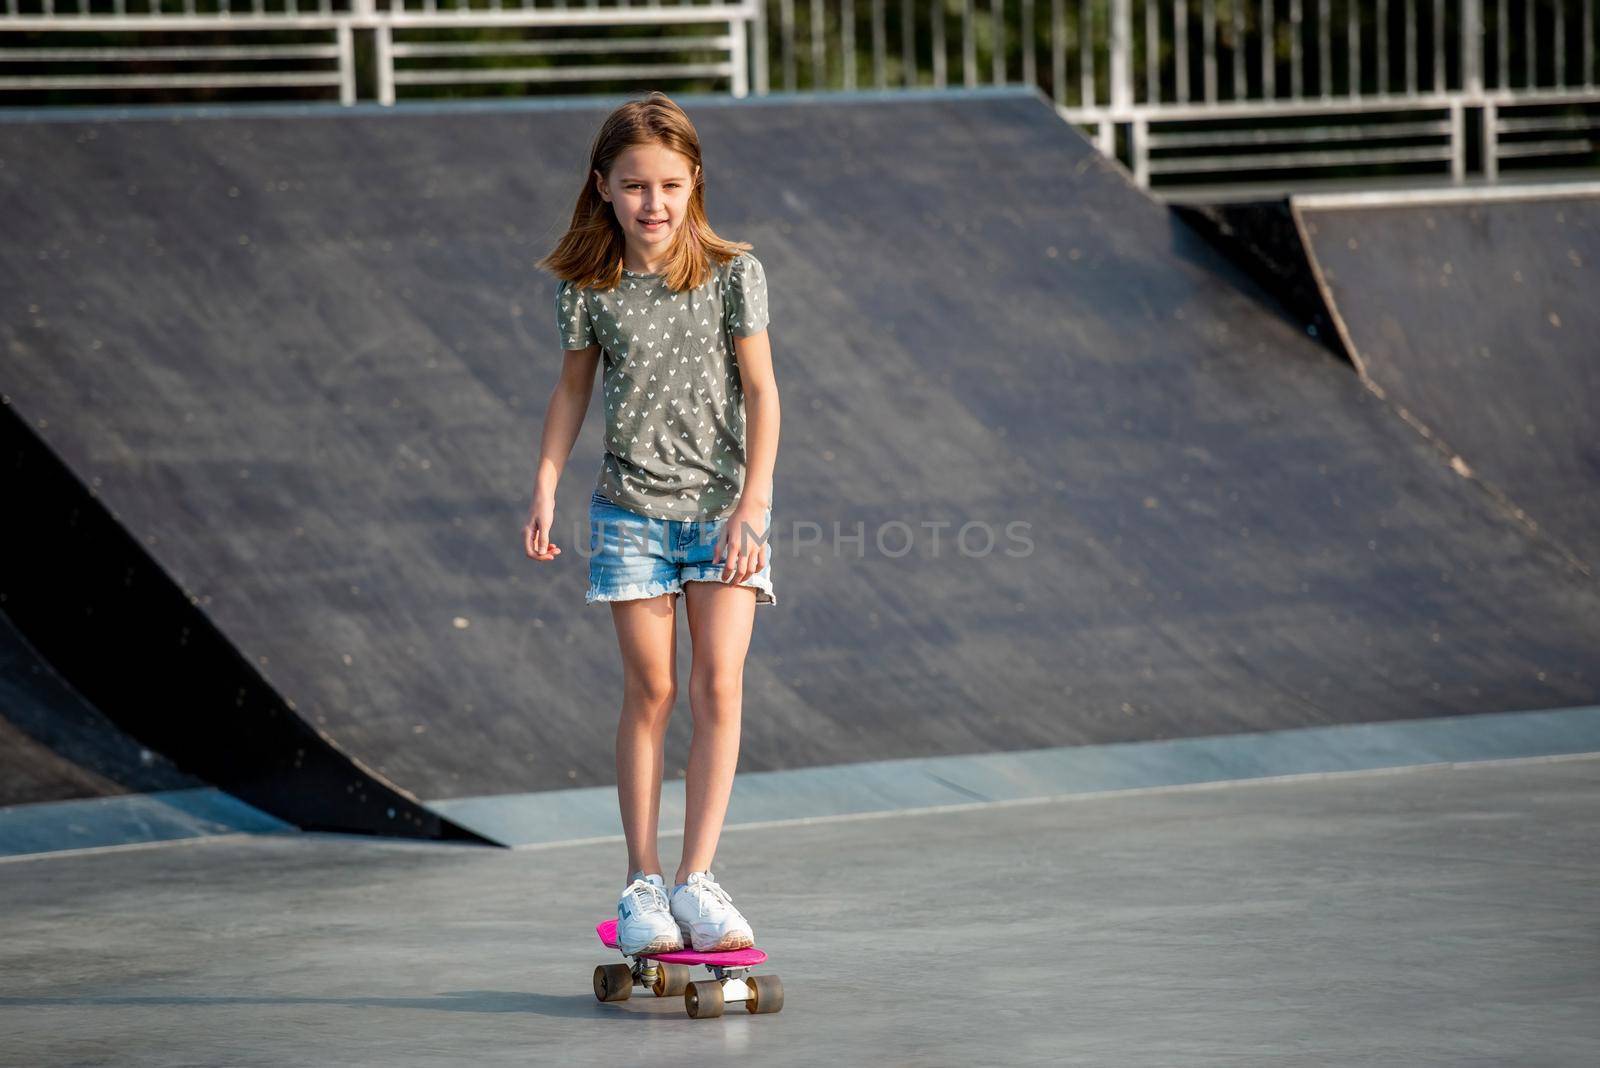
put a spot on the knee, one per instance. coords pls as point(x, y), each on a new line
point(715, 695)
point(650, 697)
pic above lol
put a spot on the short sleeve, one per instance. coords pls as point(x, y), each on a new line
point(745, 303)
point(572, 317)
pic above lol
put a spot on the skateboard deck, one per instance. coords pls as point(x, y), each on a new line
point(667, 974)
point(733, 958)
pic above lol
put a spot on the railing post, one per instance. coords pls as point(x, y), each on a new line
point(739, 30)
point(758, 33)
point(1458, 142)
point(347, 63)
point(1139, 150)
point(1121, 56)
point(1491, 146)
point(1472, 46)
point(383, 59)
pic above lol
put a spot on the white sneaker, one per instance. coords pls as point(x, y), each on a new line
point(707, 918)
point(644, 918)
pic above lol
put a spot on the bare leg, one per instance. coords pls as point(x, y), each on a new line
point(647, 637)
point(720, 621)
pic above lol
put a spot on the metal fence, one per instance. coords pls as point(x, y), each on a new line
point(91, 47)
point(1181, 90)
point(271, 44)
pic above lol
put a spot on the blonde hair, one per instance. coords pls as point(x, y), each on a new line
point(590, 252)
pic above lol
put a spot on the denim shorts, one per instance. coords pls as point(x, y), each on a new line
point(634, 556)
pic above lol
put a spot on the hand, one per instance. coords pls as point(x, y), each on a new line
point(536, 535)
point(745, 543)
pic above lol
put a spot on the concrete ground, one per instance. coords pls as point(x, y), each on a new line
point(1439, 915)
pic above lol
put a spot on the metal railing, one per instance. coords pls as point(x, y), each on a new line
point(305, 47)
point(717, 27)
point(421, 43)
point(1183, 89)
point(1179, 89)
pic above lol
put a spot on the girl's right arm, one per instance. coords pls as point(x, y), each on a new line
point(563, 418)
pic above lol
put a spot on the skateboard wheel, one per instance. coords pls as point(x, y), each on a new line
point(766, 994)
point(671, 980)
point(703, 1000)
point(613, 982)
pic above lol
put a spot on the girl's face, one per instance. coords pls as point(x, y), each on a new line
point(649, 190)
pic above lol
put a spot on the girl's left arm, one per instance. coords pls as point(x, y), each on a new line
point(754, 354)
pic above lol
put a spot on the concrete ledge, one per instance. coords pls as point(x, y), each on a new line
point(882, 786)
point(872, 787)
point(1476, 194)
point(130, 819)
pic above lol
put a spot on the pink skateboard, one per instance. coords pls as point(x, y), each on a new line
point(667, 975)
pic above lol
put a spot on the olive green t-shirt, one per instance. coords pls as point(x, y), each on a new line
point(674, 406)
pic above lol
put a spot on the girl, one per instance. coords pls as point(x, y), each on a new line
point(683, 502)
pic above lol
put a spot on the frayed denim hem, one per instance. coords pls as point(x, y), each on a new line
point(762, 586)
point(633, 591)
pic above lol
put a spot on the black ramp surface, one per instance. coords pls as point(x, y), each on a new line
point(1483, 320)
point(306, 355)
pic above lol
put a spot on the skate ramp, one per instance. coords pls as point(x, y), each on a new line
point(303, 354)
point(1479, 316)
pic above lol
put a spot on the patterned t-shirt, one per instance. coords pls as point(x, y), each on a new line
point(674, 405)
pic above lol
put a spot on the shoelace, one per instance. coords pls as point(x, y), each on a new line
point(648, 895)
point(714, 889)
